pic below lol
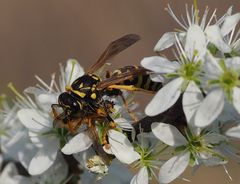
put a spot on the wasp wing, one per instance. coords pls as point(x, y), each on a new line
point(116, 79)
point(113, 49)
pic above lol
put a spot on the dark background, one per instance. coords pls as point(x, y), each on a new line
point(35, 36)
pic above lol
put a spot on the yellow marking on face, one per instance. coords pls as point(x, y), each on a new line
point(68, 88)
point(93, 96)
point(81, 85)
point(81, 94)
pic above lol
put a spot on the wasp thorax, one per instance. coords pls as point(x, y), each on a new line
point(85, 87)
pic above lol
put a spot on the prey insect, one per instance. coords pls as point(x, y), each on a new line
point(83, 102)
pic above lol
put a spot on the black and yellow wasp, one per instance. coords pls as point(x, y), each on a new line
point(83, 102)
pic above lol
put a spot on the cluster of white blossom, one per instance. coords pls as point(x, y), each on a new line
point(204, 76)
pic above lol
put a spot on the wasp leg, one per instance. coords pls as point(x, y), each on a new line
point(112, 125)
point(58, 118)
point(54, 111)
point(73, 125)
point(128, 88)
point(132, 114)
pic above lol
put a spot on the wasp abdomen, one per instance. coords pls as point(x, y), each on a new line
point(142, 80)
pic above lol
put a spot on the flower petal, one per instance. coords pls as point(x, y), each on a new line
point(164, 98)
point(236, 98)
point(78, 143)
point(210, 108)
point(157, 77)
point(215, 36)
point(9, 175)
point(233, 132)
point(56, 174)
point(211, 160)
point(45, 100)
point(43, 160)
point(214, 138)
point(195, 41)
point(230, 151)
point(166, 41)
point(229, 113)
point(75, 73)
point(159, 64)
point(236, 45)
point(141, 177)
point(39, 140)
point(212, 67)
point(123, 123)
point(233, 63)
point(230, 23)
point(174, 167)
point(33, 120)
point(168, 134)
point(121, 147)
point(26, 153)
point(192, 98)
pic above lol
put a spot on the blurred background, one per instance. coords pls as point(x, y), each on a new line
point(35, 36)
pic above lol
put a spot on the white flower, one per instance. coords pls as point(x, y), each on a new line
point(212, 32)
point(38, 119)
point(193, 149)
point(42, 135)
point(197, 145)
point(151, 153)
point(55, 175)
point(186, 70)
point(222, 83)
point(14, 140)
point(9, 174)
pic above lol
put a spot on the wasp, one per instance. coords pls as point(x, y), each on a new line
point(83, 103)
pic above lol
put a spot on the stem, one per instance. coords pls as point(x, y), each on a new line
point(14, 90)
point(196, 11)
point(70, 77)
point(162, 150)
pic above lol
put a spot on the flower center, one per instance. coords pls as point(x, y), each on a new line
point(190, 71)
point(228, 80)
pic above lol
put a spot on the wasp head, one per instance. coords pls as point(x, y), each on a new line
point(69, 104)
